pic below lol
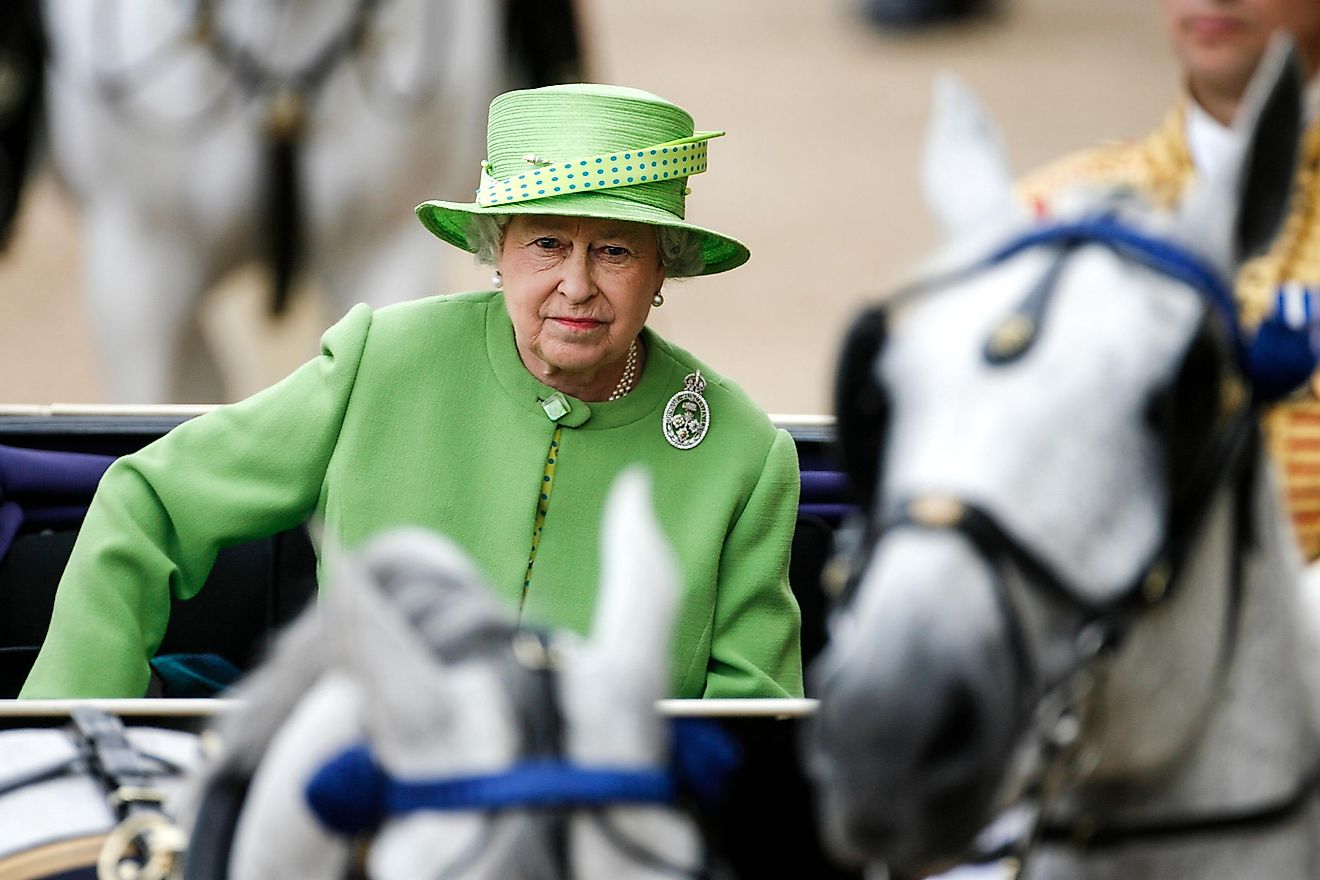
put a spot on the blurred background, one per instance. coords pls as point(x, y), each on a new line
point(824, 103)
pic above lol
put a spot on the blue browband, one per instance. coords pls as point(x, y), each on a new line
point(1278, 359)
point(1160, 254)
point(352, 793)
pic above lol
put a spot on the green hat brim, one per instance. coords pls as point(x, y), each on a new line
point(449, 221)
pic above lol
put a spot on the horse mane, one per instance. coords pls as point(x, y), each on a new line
point(433, 585)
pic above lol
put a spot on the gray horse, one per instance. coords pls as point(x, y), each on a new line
point(412, 711)
point(201, 135)
point(1075, 591)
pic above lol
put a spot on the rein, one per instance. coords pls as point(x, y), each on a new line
point(1227, 459)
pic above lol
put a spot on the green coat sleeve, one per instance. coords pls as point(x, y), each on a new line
point(160, 516)
point(756, 650)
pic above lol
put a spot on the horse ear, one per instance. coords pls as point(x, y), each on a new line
point(964, 170)
point(610, 687)
point(1237, 209)
point(639, 590)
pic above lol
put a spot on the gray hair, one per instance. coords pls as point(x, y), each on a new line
point(680, 249)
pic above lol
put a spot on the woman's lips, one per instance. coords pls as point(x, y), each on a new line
point(1213, 27)
point(579, 324)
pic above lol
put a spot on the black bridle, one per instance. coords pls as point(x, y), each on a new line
point(353, 795)
point(1224, 459)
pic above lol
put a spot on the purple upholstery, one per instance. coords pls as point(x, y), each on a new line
point(45, 489)
point(11, 519)
point(48, 489)
point(832, 513)
point(824, 486)
point(826, 494)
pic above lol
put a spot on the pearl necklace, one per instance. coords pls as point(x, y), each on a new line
point(629, 373)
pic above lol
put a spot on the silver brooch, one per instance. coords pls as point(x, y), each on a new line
point(687, 415)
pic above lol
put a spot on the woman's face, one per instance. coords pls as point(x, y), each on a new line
point(578, 291)
point(1219, 42)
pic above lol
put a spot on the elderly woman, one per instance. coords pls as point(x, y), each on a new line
point(498, 418)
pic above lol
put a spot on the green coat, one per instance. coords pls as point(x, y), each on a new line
point(423, 414)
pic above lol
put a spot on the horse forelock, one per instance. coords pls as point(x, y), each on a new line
point(435, 587)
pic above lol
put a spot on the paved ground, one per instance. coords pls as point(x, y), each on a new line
point(817, 175)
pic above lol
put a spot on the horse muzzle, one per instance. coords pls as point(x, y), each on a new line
point(917, 716)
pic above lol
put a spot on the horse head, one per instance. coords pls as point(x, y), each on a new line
point(1054, 439)
point(414, 712)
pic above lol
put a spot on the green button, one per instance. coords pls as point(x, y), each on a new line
point(555, 406)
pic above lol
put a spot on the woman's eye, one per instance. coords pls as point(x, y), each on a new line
point(615, 252)
point(546, 243)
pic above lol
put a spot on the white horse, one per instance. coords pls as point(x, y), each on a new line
point(189, 129)
point(1076, 590)
point(493, 752)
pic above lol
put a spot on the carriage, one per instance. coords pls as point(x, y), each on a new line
point(50, 460)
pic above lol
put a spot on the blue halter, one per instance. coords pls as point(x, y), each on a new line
point(352, 792)
point(1276, 361)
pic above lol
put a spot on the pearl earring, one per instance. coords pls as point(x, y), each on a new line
point(659, 299)
point(497, 280)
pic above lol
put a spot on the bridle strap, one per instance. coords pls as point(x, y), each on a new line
point(42, 773)
point(531, 784)
point(648, 857)
point(995, 544)
point(1161, 255)
point(1085, 834)
point(471, 853)
point(128, 776)
point(212, 839)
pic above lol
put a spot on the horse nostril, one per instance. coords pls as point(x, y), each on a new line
point(954, 731)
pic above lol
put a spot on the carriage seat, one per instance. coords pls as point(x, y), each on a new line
point(252, 590)
point(49, 470)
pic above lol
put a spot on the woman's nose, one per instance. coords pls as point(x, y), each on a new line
point(577, 283)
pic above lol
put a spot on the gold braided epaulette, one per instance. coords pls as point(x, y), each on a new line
point(1157, 165)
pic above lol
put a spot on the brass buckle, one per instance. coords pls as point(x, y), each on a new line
point(145, 846)
point(532, 653)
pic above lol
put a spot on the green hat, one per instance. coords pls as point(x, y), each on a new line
point(588, 150)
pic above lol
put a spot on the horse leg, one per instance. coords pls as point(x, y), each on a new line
point(401, 263)
point(143, 284)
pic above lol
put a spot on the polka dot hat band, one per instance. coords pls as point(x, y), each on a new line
point(588, 150)
point(675, 159)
